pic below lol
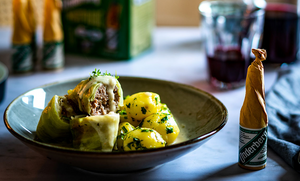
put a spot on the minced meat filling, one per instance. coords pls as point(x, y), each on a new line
point(66, 110)
point(100, 106)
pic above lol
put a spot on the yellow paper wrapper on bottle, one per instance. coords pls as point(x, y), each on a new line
point(253, 113)
point(24, 22)
point(253, 117)
point(52, 22)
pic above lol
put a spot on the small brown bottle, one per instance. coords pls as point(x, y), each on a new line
point(253, 117)
point(53, 51)
point(23, 36)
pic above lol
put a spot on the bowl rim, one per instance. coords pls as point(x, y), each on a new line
point(139, 152)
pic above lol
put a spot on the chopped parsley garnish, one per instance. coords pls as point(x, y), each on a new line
point(121, 136)
point(137, 144)
point(124, 129)
point(141, 123)
point(128, 105)
point(169, 130)
point(146, 130)
point(143, 110)
point(164, 119)
point(156, 100)
point(122, 112)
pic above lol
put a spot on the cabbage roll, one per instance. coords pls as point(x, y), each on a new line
point(95, 132)
point(54, 122)
point(98, 95)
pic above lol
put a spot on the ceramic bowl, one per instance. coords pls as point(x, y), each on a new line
point(198, 114)
point(3, 78)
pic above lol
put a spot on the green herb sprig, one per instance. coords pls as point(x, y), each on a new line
point(97, 73)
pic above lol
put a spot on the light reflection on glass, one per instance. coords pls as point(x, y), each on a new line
point(35, 97)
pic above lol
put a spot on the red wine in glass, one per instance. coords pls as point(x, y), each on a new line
point(228, 66)
point(281, 33)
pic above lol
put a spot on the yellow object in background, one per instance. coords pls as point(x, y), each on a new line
point(52, 21)
point(23, 37)
point(24, 21)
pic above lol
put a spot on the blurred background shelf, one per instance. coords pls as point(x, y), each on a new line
point(168, 12)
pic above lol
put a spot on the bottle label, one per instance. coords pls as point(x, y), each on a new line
point(253, 147)
point(53, 55)
point(22, 58)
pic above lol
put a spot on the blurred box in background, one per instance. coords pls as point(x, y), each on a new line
point(177, 13)
point(115, 29)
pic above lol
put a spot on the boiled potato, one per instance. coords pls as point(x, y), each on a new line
point(124, 117)
point(143, 139)
point(164, 123)
point(140, 105)
point(164, 108)
point(124, 128)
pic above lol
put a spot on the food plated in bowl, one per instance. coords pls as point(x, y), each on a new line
point(198, 114)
